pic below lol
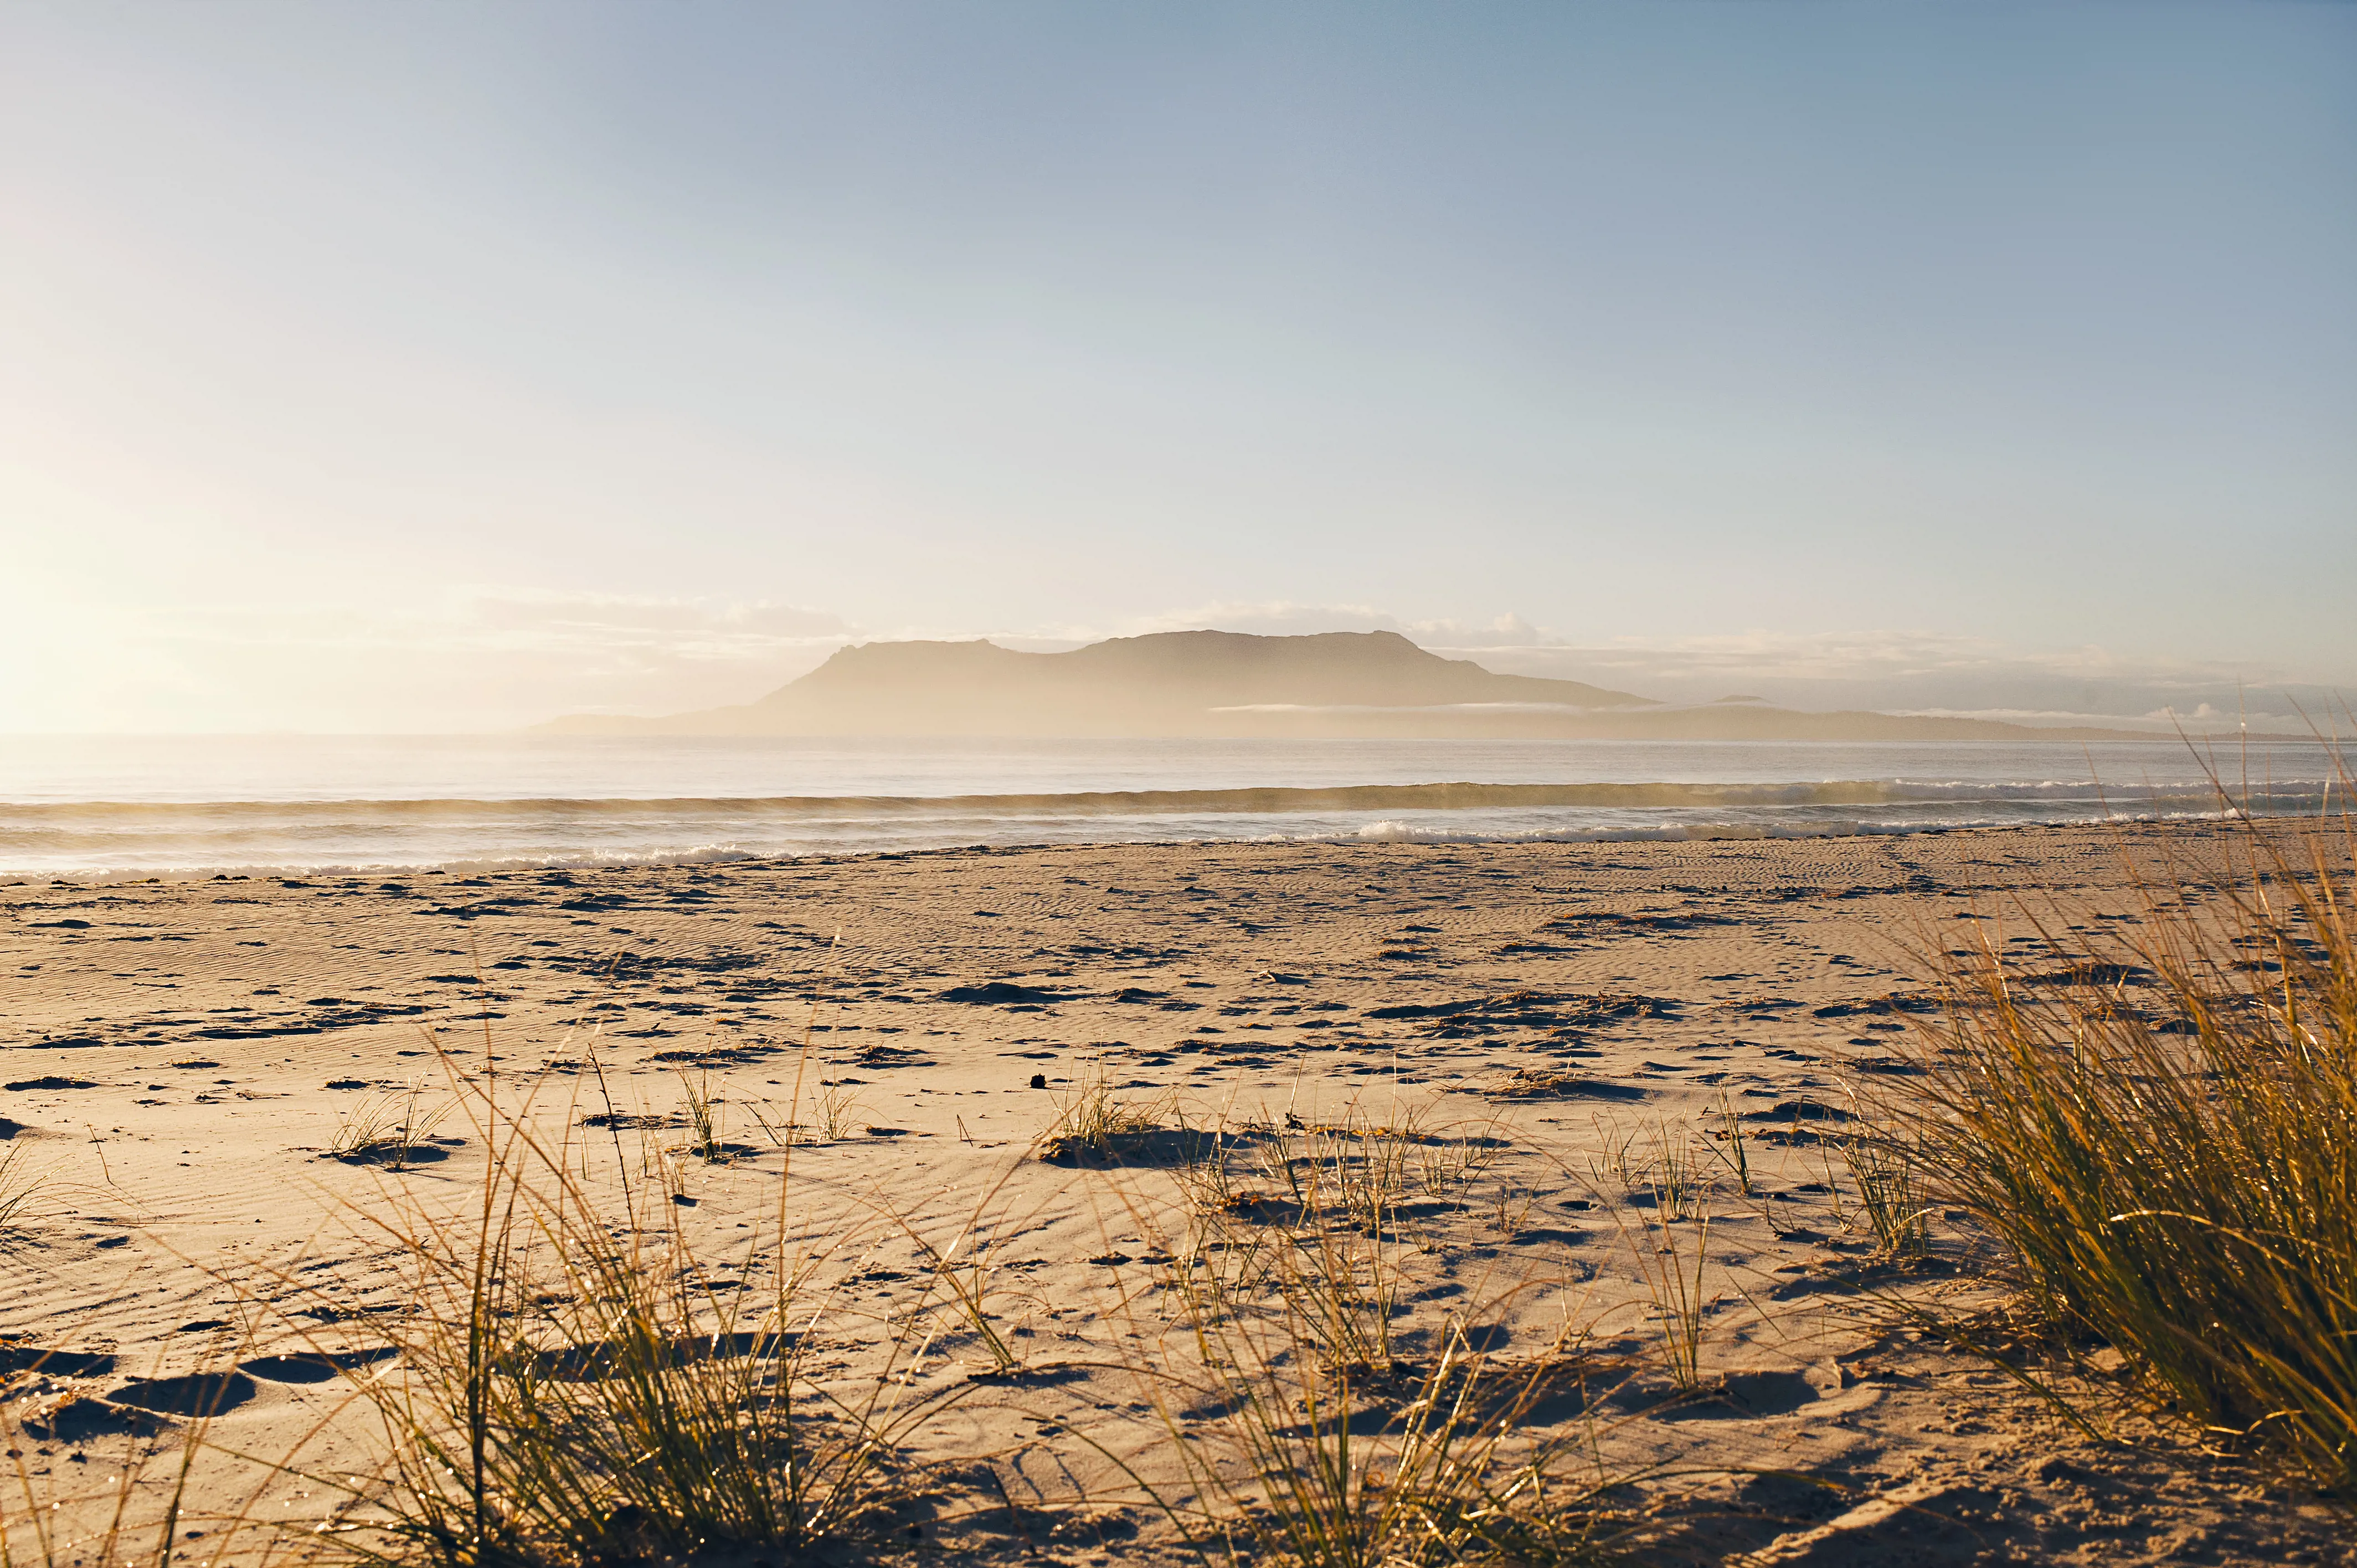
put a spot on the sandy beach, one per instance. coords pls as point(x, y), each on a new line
point(834, 785)
point(1540, 1027)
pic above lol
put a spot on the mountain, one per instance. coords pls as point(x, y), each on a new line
point(1176, 682)
point(1225, 683)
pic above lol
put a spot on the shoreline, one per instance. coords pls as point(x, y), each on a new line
point(1377, 833)
point(362, 806)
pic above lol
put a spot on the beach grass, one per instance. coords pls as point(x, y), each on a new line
point(2161, 1130)
point(1890, 1193)
point(1314, 1428)
point(388, 1127)
point(1093, 1122)
point(574, 1385)
point(27, 1186)
point(1673, 1273)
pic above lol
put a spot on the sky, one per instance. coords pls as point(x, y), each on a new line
point(447, 366)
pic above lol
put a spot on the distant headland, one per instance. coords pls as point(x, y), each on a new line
point(1373, 685)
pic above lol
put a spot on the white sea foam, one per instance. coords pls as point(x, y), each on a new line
point(1682, 832)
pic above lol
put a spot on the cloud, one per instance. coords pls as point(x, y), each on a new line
point(1509, 630)
point(1273, 618)
point(1284, 618)
point(1933, 674)
point(618, 624)
point(2162, 721)
point(1831, 655)
point(510, 618)
point(474, 658)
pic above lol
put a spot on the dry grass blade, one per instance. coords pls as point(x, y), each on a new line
point(1674, 1181)
point(837, 1108)
point(1731, 1148)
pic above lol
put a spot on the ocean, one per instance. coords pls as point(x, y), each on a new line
point(115, 807)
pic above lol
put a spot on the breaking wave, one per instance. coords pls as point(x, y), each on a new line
point(113, 839)
point(2279, 795)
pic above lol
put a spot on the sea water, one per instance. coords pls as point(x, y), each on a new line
point(120, 806)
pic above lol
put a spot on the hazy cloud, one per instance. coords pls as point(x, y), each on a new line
point(1282, 617)
point(663, 628)
point(483, 658)
point(1274, 617)
point(1927, 673)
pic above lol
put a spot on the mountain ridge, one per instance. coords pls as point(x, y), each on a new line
point(1235, 684)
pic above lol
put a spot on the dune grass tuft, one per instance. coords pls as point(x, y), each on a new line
point(1312, 1433)
point(2164, 1136)
point(574, 1387)
point(1889, 1192)
point(1095, 1125)
point(26, 1188)
point(387, 1128)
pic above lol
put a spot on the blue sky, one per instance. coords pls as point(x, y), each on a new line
point(441, 364)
